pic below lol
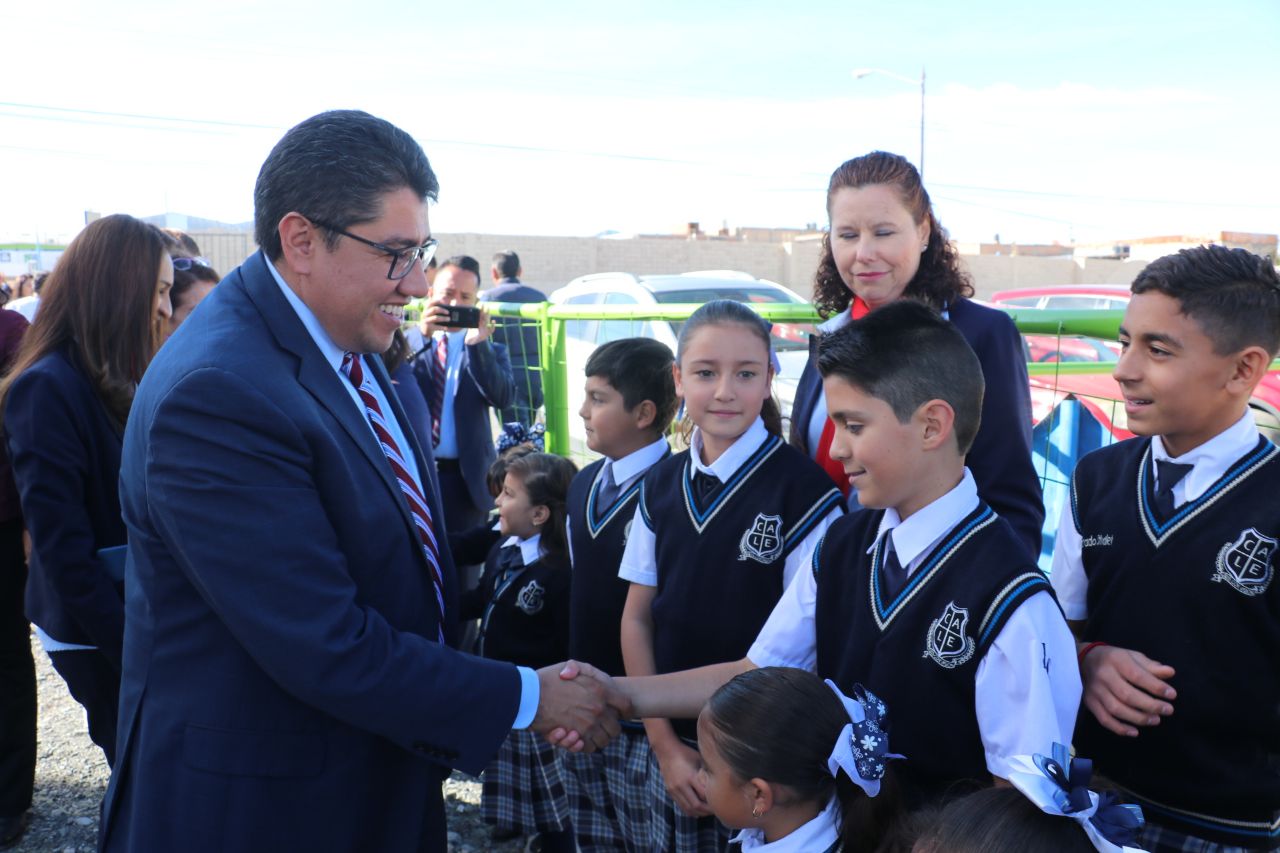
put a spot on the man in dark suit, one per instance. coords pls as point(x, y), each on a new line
point(287, 681)
point(463, 374)
point(520, 337)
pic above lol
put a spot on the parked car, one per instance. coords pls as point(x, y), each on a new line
point(1067, 348)
point(790, 340)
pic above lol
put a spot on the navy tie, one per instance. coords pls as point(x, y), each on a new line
point(894, 576)
point(609, 490)
point(1170, 474)
point(704, 486)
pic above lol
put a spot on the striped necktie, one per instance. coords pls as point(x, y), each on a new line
point(352, 367)
point(439, 370)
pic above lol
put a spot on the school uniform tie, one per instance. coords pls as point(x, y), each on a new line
point(510, 559)
point(704, 485)
point(894, 576)
point(352, 367)
point(439, 370)
point(1169, 474)
point(609, 490)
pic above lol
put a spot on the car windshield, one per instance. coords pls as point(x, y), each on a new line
point(786, 336)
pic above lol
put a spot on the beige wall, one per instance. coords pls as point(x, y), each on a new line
point(550, 262)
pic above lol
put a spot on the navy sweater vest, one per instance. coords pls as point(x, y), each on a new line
point(1196, 591)
point(920, 651)
point(524, 617)
point(598, 596)
point(720, 564)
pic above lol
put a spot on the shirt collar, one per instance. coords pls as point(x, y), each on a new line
point(731, 460)
point(332, 352)
point(632, 464)
point(1211, 459)
point(818, 834)
point(914, 537)
point(530, 551)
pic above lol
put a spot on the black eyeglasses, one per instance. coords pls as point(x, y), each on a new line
point(401, 259)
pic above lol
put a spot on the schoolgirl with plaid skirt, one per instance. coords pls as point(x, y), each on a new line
point(522, 602)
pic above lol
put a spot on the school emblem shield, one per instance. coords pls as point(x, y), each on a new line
point(947, 643)
point(1246, 564)
point(530, 598)
point(762, 541)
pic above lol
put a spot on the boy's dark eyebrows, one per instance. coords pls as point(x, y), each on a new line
point(1153, 338)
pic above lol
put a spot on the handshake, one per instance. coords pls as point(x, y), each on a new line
point(579, 707)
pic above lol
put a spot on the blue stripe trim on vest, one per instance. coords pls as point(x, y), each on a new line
point(817, 551)
point(810, 520)
point(593, 526)
point(701, 517)
point(644, 509)
point(1011, 597)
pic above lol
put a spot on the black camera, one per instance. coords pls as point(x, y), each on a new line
point(462, 316)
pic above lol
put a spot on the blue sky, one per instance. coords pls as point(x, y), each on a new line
point(1084, 121)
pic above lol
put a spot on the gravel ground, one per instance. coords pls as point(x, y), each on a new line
point(71, 778)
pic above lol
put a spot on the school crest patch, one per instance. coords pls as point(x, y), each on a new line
point(1246, 564)
point(530, 598)
point(762, 541)
point(947, 644)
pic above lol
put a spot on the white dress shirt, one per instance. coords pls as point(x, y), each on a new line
point(1020, 703)
point(1210, 461)
point(640, 560)
point(815, 836)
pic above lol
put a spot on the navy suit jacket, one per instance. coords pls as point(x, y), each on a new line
point(484, 382)
point(1001, 455)
point(283, 688)
point(65, 451)
point(520, 337)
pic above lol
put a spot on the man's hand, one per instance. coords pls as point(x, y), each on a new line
point(1124, 689)
point(579, 709)
point(482, 332)
point(680, 767)
point(434, 317)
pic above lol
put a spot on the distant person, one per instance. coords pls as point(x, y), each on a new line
point(1166, 555)
point(27, 301)
point(193, 280)
point(185, 240)
point(885, 244)
point(65, 405)
point(17, 669)
point(520, 337)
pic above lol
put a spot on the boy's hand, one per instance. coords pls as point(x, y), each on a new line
point(1124, 689)
point(680, 766)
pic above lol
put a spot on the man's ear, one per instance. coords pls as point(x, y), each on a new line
point(937, 421)
point(300, 242)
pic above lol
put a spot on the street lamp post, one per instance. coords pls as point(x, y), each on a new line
point(859, 73)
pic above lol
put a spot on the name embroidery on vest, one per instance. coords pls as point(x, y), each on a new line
point(1245, 564)
point(762, 541)
point(1100, 540)
point(530, 599)
point(947, 644)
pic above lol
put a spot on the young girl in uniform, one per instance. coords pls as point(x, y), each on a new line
point(796, 765)
point(720, 529)
point(522, 602)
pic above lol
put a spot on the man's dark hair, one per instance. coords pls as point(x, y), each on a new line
point(639, 369)
point(906, 355)
point(39, 283)
point(507, 264)
point(465, 263)
point(1232, 294)
point(336, 167)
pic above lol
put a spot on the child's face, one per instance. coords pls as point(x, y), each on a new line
point(611, 429)
point(883, 458)
point(516, 515)
point(724, 377)
point(1174, 384)
point(727, 795)
point(875, 242)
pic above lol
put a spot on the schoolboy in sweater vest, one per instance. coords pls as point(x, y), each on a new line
point(630, 401)
point(1165, 561)
point(925, 597)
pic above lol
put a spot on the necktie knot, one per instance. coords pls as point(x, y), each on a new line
point(704, 485)
point(895, 577)
point(510, 558)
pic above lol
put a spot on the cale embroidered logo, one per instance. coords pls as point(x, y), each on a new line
point(530, 599)
point(1246, 562)
point(762, 541)
point(947, 643)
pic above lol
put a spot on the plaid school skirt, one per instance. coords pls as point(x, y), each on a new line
point(673, 831)
point(523, 788)
point(609, 795)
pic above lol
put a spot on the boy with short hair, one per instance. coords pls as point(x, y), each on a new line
point(926, 597)
point(630, 401)
point(1166, 560)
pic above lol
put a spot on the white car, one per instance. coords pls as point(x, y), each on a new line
point(790, 340)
